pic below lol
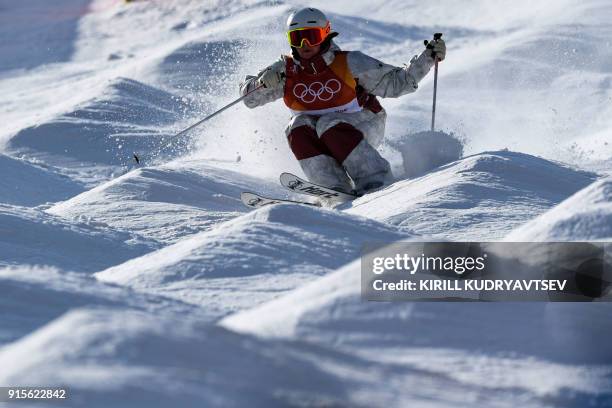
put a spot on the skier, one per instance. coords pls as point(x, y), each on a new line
point(337, 120)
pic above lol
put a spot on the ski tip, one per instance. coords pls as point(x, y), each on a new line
point(252, 200)
point(285, 175)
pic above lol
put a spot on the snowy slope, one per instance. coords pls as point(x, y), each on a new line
point(127, 89)
point(531, 77)
point(544, 357)
point(57, 292)
point(29, 184)
point(87, 83)
point(193, 365)
point(35, 33)
point(166, 202)
point(183, 363)
point(587, 215)
point(125, 118)
point(165, 360)
point(252, 258)
point(481, 197)
point(33, 237)
point(90, 135)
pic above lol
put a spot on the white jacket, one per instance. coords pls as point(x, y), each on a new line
point(376, 77)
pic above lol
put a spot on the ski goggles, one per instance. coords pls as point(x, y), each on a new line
point(310, 35)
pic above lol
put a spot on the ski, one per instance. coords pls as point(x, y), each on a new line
point(256, 201)
point(299, 185)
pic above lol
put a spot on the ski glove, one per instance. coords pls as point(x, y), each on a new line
point(270, 77)
point(438, 50)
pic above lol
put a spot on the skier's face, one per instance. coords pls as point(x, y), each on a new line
point(307, 51)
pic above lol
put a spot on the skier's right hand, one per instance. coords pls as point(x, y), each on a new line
point(271, 77)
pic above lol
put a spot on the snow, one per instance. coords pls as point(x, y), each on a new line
point(252, 258)
point(165, 203)
point(56, 292)
point(481, 197)
point(117, 356)
point(586, 215)
point(182, 363)
point(33, 237)
point(125, 112)
point(35, 33)
point(29, 183)
point(526, 354)
point(152, 285)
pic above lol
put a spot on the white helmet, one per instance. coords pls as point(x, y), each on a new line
point(307, 17)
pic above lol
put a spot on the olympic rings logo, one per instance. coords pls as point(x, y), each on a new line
point(316, 90)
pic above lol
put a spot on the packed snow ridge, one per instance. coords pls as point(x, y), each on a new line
point(252, 258)
point(585, 216)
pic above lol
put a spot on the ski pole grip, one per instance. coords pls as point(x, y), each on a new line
point(429, 44)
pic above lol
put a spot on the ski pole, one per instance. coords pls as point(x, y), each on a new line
point(437, 36)
point(182, 132)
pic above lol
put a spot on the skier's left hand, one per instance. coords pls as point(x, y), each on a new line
point(438, 49)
